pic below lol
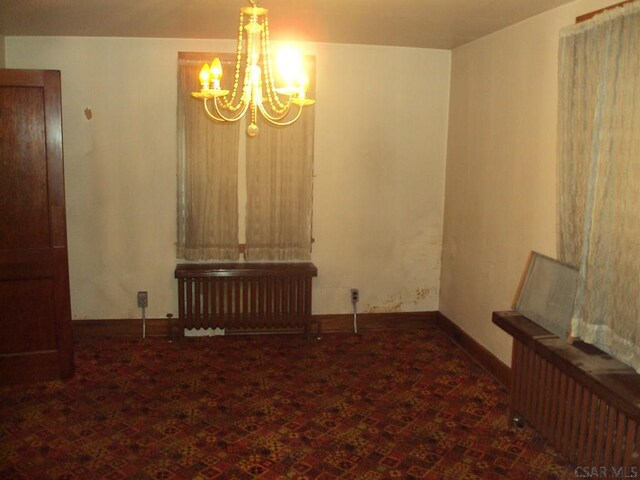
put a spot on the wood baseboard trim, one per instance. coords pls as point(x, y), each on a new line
point(127, 327)
point(340, 323)
point(477, 352)
point(343, 323)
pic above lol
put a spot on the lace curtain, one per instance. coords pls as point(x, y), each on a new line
point(599, 177)
point(279, 187)
point(207, 173)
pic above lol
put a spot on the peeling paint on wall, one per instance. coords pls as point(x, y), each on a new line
point(397, 303)
point(393, 304)
point(423, 293)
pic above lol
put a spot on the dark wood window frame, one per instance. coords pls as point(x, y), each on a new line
point(588, 16)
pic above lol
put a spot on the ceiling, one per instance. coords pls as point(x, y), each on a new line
point(412, 23)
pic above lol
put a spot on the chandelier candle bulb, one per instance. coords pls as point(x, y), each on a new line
point(257, 92)
point(216, 73)
point(205, 75)
point(304, 85)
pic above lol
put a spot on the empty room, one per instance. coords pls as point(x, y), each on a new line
point(313, 240)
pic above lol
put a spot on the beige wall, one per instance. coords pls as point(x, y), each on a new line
point(501, 169)
point(2, 62)
point(379, 162)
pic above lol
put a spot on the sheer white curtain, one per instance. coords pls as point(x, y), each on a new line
point(207, 173)
point(599, 177)
point(279, 187)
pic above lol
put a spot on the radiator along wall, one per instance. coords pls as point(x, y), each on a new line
point(379, 164)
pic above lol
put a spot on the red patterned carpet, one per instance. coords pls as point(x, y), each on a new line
point(394, 404)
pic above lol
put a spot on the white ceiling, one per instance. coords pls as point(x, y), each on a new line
point(414, 23)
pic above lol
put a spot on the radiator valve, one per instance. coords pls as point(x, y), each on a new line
point(518, 421)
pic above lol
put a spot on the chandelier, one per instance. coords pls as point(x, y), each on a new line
point(255, 69)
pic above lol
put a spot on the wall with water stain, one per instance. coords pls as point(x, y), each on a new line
point(380, 148)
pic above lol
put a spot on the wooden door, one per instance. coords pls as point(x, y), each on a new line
point(35, 314)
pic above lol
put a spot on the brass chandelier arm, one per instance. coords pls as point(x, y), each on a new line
point(279, 114)
point(232, 119)
point(276, 120)
point(222, 117)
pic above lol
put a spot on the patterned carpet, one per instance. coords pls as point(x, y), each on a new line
point(392, 404)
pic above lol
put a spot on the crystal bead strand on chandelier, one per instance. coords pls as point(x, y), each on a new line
point(258, 92)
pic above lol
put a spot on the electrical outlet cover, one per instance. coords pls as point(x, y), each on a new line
point(143, 300)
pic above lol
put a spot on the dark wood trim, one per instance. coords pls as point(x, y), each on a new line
point(128, 327)
point(340, 323)
point(367, 322)
point(590, 15)
point(343, 323)
point(245, 269)
point(610, 379)
point(477, 352)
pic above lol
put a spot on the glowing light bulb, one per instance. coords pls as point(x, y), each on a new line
point(205, 76)
point(303, 84)
point(289, 64)
point(216, 72)
point(216, 69)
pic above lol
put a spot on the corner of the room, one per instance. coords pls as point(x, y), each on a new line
point(500, 188)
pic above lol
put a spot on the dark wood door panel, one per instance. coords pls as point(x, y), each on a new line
point(25, 320)
point(23, 179)
point(35, 316)
point(38, 366)
point(18, 263)
point(35, 312)
point(33, 299)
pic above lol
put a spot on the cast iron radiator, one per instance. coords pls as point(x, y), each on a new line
point(586, 403)
point(245, 296)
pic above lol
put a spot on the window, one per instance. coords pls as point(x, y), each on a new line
point(273, 212)
point(599, 199)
